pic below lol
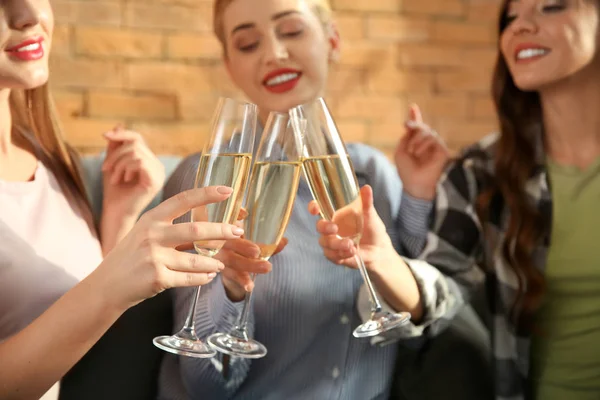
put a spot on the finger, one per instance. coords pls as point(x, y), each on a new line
point(114, 155)
point(172, 279)
point(123, 135)
point(425, 147)
point(242, 279)
point(333, 242)
point(188, 262)
point(325, 227)
point(174, 235)
point(183, 202)
point(243, 214)
point(313, 208)
point(341, 258)
point(417, 140)
point(185, 246)
point(131, 171)
point(281, 245)
point(120, 169)
point(233, 260)
point(414, 113)
point(243, 247)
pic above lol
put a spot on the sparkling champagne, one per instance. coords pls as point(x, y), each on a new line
point(221, 170)
point(334, 186)
point(270, 201)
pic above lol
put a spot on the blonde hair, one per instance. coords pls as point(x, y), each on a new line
point(33, 114)
point(321, 8)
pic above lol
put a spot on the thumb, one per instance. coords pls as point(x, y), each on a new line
point(366, 196)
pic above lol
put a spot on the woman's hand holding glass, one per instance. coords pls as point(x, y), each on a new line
point(241, 260)
point(375, 244)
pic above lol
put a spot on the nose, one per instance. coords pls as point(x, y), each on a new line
point(21, 14)
point(276, 50)
point(524, 23)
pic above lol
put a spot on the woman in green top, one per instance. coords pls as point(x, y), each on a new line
point(522, 206)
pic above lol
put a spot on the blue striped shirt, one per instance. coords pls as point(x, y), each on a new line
point(304, 311)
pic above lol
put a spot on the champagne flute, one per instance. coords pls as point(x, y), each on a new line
point(225, 161)
point(269, 202)
point(333, 184)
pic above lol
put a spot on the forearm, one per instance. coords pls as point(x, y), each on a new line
point(38, 356)
point(114, 226)
point(395, 282)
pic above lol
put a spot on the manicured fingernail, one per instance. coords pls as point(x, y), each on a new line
point(224, 190)
point(237, 231)
point(212, 275)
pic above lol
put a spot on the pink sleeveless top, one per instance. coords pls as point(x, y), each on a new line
point(46, 248)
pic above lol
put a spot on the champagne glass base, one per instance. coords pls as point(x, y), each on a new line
point(237, 347)
point(184, 347)
point(381, 322)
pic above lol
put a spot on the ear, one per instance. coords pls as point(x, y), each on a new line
point(333, 36)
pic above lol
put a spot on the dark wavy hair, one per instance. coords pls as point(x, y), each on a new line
point(520, 121)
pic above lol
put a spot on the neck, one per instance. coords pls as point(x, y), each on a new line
point(6, 140)
point(571, 116)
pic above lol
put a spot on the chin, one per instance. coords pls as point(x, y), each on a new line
point(530, 84)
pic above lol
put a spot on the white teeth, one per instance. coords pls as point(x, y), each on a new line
point(529, 53)
point(279, 79)
point(30, 47)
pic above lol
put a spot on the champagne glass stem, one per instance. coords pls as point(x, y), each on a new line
point(241, 329)
point(375, 304)
point(188, 328)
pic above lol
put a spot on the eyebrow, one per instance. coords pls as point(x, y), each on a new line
point(275, 17)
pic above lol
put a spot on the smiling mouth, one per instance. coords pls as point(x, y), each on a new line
point(531, 53)
point(283, 78)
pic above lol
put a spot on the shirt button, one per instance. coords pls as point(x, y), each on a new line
point(335, 373)
point(344, 319)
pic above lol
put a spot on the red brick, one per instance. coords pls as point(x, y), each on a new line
point(465, 80)
point(194, 45)
point(345, 80)
point(464, 32)
point(68, 72)
point(484, 11)
point(372, 108)
point(168, 77)
point(454, 8)
point(393, 80)
point(482, 107)
point(367, 5)
point(174, 138)
point(398, 29)
point(428, 55)
point(164, 16)
point(352, 131)
point(88, 12)
point(441, 105)
point(61, 40)
point(122, 105)
point(112, 42)
point(197, 107)
point(367, 54)
point(69, 104)
point(351, 26)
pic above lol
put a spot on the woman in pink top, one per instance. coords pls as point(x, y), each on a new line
point(57, 294)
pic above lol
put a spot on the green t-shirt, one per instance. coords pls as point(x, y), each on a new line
point(566, 351)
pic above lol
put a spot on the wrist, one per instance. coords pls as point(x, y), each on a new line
point(421, 193)
point(233, 290)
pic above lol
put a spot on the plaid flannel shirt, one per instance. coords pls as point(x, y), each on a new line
point(457, 258)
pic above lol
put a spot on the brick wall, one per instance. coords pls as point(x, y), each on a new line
point(154, 65)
